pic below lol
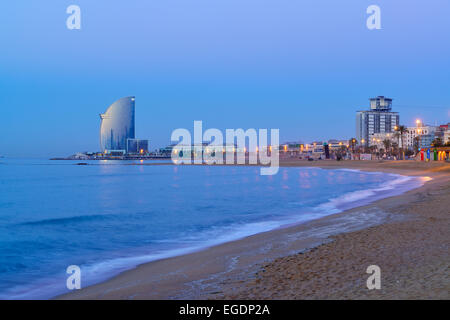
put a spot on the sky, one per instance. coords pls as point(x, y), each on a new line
point(302, 66)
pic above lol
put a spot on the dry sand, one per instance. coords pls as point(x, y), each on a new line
point(407, 236)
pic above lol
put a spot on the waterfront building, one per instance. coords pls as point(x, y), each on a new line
point(425, 140)
point(337, 144)
point(318, 147)
point(419, 135)
point(378, 119)
point(137, 146)
point(114, 153)
point(446, 137)
point(291, 148)
point(117, 125)
point(204, 149)
point(441, 131)
point(379, 138)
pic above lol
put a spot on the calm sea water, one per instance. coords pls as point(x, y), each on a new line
point(108, 216)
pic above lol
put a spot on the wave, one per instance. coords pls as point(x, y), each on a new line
point(81, 219)
point(68, 220)
point(362, 197)
point(361, 171)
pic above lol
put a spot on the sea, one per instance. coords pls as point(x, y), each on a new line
point(110, 216)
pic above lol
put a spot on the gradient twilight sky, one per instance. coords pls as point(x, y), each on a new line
point(303, 66)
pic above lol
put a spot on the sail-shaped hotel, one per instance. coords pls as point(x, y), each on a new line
point(117, 125)
point(117, 131)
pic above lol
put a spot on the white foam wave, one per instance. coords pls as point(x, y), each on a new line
point(361, 197)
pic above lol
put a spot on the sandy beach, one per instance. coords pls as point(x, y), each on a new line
point(407, 236)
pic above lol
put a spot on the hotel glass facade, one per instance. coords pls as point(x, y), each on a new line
point(137, 146)
point(117, 125)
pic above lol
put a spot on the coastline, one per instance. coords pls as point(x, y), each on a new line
point(273, 264)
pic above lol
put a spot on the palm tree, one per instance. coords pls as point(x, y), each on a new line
point(373, 149)
point(401, 130)
point(387, 144)
point(416, 144)
point(437, 142)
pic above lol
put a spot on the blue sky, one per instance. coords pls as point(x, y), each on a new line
point(304, 67)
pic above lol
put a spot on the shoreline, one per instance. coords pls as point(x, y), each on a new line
point(207, 273)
